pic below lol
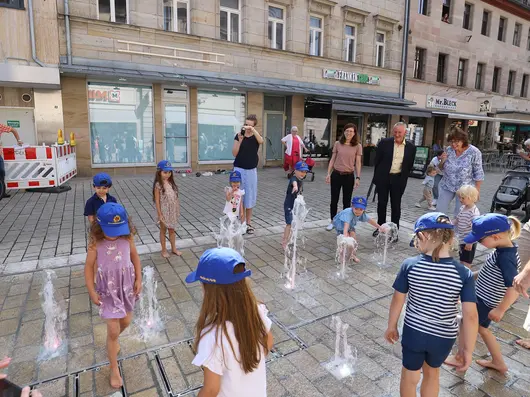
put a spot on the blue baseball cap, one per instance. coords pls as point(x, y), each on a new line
point(164, 165)
point(235, 176)
point(432, 220)
point(216, 266)
point(487, 225)
point(112, 218)
point(102, 180)
point(359, 202)
point(301, 166)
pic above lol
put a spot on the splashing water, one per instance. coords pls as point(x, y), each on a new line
point(342, 365)
point(385, 239)
point(54, 319)
point(291, 257)
point(526, 324)
point(346, 249)
point(149, 320)
point(231, 234)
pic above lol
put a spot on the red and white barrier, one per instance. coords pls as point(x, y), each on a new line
point(39, 166)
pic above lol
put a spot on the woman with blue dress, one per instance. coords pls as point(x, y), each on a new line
point(461, 164)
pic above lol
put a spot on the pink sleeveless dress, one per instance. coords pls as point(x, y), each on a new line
point(115, 278)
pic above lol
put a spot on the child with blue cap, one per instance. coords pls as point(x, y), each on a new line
point(432, 283)
point(495, 290)
point(166, 199)
point(234, 198)
point(233, 334)
point(294, 188)
point(113, 254)
point(346, 220)
point(101, 184)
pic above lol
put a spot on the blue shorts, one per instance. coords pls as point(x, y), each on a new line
point(419, 347)
point(483, 312)
point(288, 214)
point(249, 183)
point(341, 231)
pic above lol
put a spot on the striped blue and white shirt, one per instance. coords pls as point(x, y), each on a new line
point(497, 275)
point(433, 290)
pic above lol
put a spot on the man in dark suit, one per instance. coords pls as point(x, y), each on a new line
point(394, 159)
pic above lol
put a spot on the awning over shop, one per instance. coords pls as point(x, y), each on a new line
point(353, 106)
point(465, 116)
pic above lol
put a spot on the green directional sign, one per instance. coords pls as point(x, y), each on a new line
point(13, 123)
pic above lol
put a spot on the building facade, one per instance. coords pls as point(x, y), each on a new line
point(143, 80)
point(468, 63)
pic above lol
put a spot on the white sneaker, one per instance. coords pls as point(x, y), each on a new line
point(330, 227)
point(434, 202)
point(432, 208)
point(418, 205)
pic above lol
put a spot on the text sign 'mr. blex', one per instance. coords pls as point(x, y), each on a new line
point(350, 76)
point(436, 102)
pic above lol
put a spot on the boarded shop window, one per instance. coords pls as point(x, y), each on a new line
point(121, 124)
point(221, 116)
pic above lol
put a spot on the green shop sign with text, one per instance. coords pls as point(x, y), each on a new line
point(352, 77)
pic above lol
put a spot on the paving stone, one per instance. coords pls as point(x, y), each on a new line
point(8, 327)
point(79, 304)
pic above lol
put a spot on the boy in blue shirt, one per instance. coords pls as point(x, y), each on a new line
point(432, 283)
point(101, 184)
point(293, 189)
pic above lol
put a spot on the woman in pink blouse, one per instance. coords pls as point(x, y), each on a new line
point(344, 170)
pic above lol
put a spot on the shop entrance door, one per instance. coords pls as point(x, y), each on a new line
point(176, 130)
point(347, 118)
point(274, 126)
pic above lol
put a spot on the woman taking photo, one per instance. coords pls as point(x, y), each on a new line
point(461, 165)
point(294, 148)
point(344, 170)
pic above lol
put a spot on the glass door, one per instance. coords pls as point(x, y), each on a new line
point(176, 134)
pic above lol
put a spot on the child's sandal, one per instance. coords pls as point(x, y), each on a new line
point(250, 229)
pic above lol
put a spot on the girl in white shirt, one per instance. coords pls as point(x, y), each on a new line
point(233, 333)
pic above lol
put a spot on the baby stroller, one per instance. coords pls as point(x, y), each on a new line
point(514, 192)
point(310, 164)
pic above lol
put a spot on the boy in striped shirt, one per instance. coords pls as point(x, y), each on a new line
point(495, 290)
point(432, 283)
point(468, 196)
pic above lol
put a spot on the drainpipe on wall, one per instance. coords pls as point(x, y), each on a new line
point(404, 51)
point(67, 28)
point(32, 36)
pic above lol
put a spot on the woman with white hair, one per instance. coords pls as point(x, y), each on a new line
point(294, 147)
point(525, 154)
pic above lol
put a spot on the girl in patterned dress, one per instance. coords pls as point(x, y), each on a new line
point(166, 198)
point(119, 278)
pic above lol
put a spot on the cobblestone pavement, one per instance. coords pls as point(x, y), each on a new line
point(304, 338)
point(40, 226)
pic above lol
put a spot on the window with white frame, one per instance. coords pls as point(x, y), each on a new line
point(176, 14)
point(316, 39)
point(350, 43)
point(113, 10)
point(380, 49)
point(230, 20)
point(277, 27)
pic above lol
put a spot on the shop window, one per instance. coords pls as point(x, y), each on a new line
point(442, 68)
point(121, 124)
point(501, 34)
point(350, 47)
point(524, 86)
point(316, 39)
point(176, 16)
point(221, 116)
point(485, 28)
point(277, 28)
point(511, 82)
point(317, 128)
point(113, 10)
point(496, 79)
point(461, 76)
point(446, 11)
point(380, 49)
point(423, 7)
point(19, 4)
point(419, 64)
point(468, 17)
point(377, 128)
point(479, 77)
point(517, 34)
point(416, 129)
point(230, 20)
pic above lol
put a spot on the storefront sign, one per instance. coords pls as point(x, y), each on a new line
point(352, 77)
point(104, 96)
point(436, 102)
point(485, 106)
point(13, 123)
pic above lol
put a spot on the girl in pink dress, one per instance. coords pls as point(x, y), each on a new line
point(119, 278)
point(166, 198)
